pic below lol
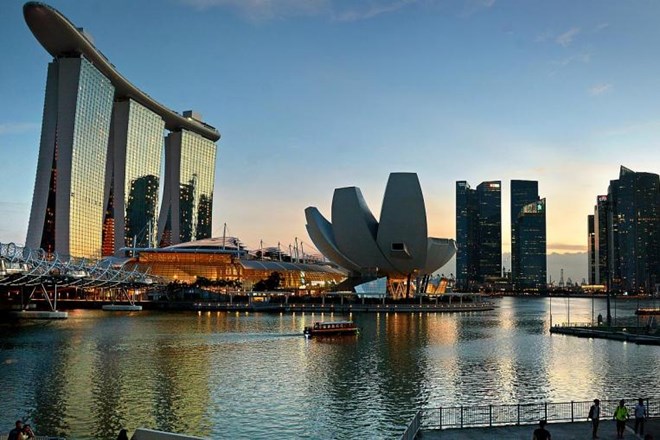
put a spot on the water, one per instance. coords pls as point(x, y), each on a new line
point(228, 375)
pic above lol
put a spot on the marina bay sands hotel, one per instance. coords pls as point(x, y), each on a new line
point(98, 179)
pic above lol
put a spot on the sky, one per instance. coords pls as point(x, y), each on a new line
point(311, 95)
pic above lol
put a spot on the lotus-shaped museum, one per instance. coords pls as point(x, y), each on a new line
point(397, 245)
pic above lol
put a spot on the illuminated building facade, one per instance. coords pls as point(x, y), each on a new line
point(211, 260)
point(98, 175)
point(133, 175)
point(478, 233)
point(189, 177)
point(67, 210)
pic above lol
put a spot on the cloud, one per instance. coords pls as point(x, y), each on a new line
point(17, 127)
point(599, 89)
point(567, 37)
point(601, 26)
point(263, 10)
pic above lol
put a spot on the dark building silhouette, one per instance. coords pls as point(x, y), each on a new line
point(478, 233)
point(634, 231)
point(591, 250)
point(530, 237)
point(601, 238)
point(524, 193)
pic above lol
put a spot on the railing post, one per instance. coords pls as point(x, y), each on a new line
point(546, 411)
point(440, 417)
point(518, 422)
point(572, 413)
point(461, 416)
point(490, 415)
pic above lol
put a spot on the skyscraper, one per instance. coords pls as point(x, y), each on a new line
point(591, 250)
point(601, 238)
point(523, 192)
point(531, 245)
point(478, 233)
point(634, 231)
point(188, 187)
point(98, 175)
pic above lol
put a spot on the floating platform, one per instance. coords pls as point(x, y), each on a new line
point(38, 314)
point(121, 308)
point(588, 332)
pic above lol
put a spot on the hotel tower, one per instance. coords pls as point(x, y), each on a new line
point(99, 170)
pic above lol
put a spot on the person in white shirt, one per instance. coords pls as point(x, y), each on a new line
point(640, 417)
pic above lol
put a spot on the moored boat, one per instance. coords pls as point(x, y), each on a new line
point(331, 328)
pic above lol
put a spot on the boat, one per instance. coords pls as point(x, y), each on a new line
point(647, 311)
point(331, 328)
point(121, 308)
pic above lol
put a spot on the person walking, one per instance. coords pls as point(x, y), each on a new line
point(541, 433)
point(594, 415)
point(621, 415)
point(640, 417)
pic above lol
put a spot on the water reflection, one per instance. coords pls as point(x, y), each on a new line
point(229, 375)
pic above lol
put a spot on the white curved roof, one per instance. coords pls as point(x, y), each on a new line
point(60, 37)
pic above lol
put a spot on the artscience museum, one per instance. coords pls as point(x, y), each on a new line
point(396, 246)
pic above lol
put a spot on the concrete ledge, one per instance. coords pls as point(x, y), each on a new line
point(38, 314)
point(151, 434)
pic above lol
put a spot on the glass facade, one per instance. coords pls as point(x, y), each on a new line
point(531, 240)
point(89, 149)
point(144, 147)
point(478, 233)
point(601, 237)
point(591, 250)
point(523, 192)
point(634, 231)
point(196, 178)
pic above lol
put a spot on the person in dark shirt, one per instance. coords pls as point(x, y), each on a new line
point(17, 432)
point(541, 433)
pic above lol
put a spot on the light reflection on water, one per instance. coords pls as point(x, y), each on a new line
point(228, 375)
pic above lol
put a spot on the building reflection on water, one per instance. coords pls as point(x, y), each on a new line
point(237, 375)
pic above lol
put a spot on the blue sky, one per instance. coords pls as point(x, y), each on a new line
point(317, 94)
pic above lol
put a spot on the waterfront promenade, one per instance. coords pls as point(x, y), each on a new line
point(560, 431)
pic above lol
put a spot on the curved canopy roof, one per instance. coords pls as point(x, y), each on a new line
point(60, 37)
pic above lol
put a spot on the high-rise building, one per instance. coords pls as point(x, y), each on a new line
point(523, 192)
point(591, 250)
point(188, 188)
point(67, 207)
point(531, 246)
point(478, 233)
point(601, 237)
point(634, 231)
point(98, 175)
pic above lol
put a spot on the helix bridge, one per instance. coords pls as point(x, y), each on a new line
point(40, 274)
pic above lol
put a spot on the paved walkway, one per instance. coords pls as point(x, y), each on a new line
point(559, 431)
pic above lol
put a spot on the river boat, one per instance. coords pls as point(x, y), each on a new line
point(648, 311)
point(330, 328)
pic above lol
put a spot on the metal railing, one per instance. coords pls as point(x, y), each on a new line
point(523, 414)
point(413, 427)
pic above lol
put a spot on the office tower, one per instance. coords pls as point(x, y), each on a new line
point(523, 192)
point(478, 233)
point(634, 231)
point(591, 250)
point(601, 237)
point(531, 244)
point(98, 175)
point(188, 187)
